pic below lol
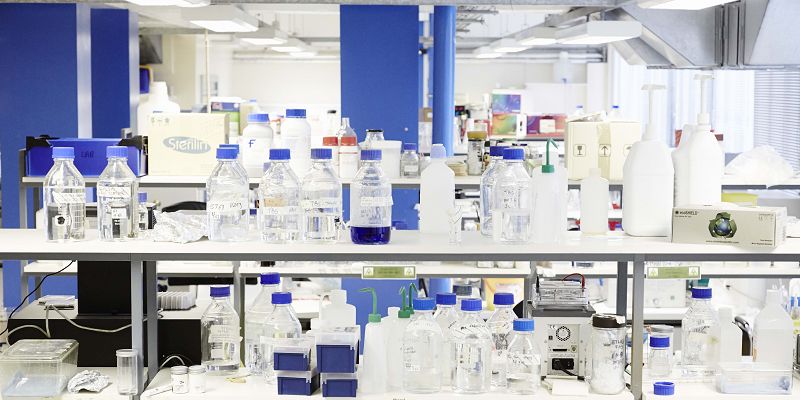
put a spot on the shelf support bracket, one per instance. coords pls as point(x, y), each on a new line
point(637, 336)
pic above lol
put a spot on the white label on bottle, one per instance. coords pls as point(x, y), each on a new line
point(217, 354)
point(119, 213)
point(223, 334)
point(69, 198)
point(219, 207)
point(376, 202)
point(275, 211)
point(117, 192)
point(411, 169)
point(325, 202)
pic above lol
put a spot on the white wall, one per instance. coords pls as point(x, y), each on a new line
point(279, 83)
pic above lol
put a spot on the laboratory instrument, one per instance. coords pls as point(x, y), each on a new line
point(321, 200)
point(422, 350)
point(282, 323)
point(409, 161)
point(472, 350)
point(296, 136)
point(228, 205)
point(512, 203)
point(564, 334)
point(373, 368)
point(437, 193)
point(750, 378)
point(487, 189)
point(608, 354)
point(501, 324)
point(524, 365)
point(127, 371)
point(772, 333)
point(370, 202)
point(549, 202)
point(659, 362)
point(446, 315)
point(279, 200)
point(117, 208)
point(700, 326)
point(219, 334)
point(64, 198)
point(254, 319)
point(594, 204)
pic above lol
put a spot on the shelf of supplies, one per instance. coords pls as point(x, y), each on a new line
point(707, 270)
point(708, 391)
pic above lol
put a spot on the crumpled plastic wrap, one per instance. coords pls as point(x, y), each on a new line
point(760, 164)
point(91, 380)
point(178, 227)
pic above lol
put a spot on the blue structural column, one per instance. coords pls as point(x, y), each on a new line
point(444, 60)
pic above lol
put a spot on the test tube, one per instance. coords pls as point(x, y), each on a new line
point(127, 371)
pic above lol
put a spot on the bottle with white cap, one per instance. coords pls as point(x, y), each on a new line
point(64, 198)
point(157, 102)
point(296, 136)
point(255, 142)
point(117, 198)
point(437, 193)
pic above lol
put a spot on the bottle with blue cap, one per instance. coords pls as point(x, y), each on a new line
point(235, 147)
point(254, 318)
point(255, 142)
point(487, 189)
point(501, 323)
point(524, 360)
point(472, 350)
point(370, 202)
point(700, 339)
point(511, 211)
point(320, 200)
point(117, 198)
point(296, 136)
point(436, 193)
point(281, 324)
point(409, 161)
point(228, 199)
point(279, 200)
point(64, 198)
point(659, 362)
point(446, 315)
point(219, 334)
point(422, 350)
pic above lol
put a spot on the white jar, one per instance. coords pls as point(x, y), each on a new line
point(197, 379)
point(180, 379)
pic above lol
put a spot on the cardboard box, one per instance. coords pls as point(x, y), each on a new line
point(232, 109)
point(619, 137)
point(755, 227)
point(185, 144)
point(603, 145)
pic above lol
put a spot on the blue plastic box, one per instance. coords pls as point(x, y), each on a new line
point(292, 355)
point(339, 385)
point(90, 154)
point(299, 383)
point(337, 351)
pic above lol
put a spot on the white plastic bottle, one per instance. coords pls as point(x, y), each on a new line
point(437, 193)
point(594, 204)
point(337, 313)
point(487, 189)
point(372, 372)
point(524, 365)
point(254, 319)
point(422, 350)
point(296, 136)
point(511, 214)
point(157, 102)
point(700, 326)
point(64, 198)
point(648, 178)
point(254, 144)
point(117, 198)
point(549, 192)
point(730, 336)
point(680, 161)
point(279, 200)
point(472, 350)
point(281, 323)
point(227, 208)
point(501, 324)
point(219, 334)
point(321, 200)
point(446, 315)
point(772, 333)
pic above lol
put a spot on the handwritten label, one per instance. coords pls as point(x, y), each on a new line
point(117, 192)
point(325, 202)
point(69, 198)
point(376, 202)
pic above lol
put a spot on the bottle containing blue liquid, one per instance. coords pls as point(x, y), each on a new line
point(370, 202)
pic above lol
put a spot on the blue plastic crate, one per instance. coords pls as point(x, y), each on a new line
point(90, 154)
point(337, 351)
point(292, 355)
point(298, 383)
point(339, 385)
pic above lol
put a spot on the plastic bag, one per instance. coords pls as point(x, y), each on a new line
point(761, 164)
point(91, 380)
point(178, 227)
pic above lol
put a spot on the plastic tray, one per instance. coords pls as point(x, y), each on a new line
point(339, 385)
point(299, 383)
point(292, 354)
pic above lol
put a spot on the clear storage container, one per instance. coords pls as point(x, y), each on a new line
point(753, 378)
point(337, 349)
point(37, 368)
point(608, 354)
point(292, 354)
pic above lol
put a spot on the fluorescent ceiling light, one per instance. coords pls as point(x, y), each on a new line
point(179, 3)
point(264, 36)
point(681, 4)
point(221, 19)
point(291, 46)
point(304, 54)
point(507, 45)
point(599, 32)
point(485, 52)
point(538, 36)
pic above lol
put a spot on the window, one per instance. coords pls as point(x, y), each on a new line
point(777, 113)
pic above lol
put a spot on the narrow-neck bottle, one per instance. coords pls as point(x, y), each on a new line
point(501, 323)
point(279, 200)
point(472, 350)
point(254, 319)
point(219, 336)
point(409, 161)
point(321, 200)
point(772, 333)
point(117, 202)
point(700, 326)
point(282, 323)
point(64, 198)
point(436, 193)
point(422, 350)
point(227, 208)
point(524, 363)
point(512, 200)
point(370, 202)
point(487, 189)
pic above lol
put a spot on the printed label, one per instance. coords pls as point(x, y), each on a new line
point(116, 192)
point(579, 150)
point(389, 272)
point(119, 213)
point(673, 272)
point(376, 202)
point(604, 150)
point(223, 334)
point(69, 198)
point(327, 202)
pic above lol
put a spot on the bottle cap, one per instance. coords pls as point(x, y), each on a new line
point(424, 304)
point(321, 154)
point(438, 151)
point(504, 299)
point(226, 153)
point(662, 329)
point(282, 298)
point(471, 305)
point(197, 369)
point(279, 154)
point(116, 151)
point(220, 291)
point(63, 152)
point(330, 141)
point(270, 278)
point(296, 113)
point(374, 316)
point(659, 342)
point(496, 151)
point(371, 154)
point(663, 388)
point(179, 370)
point(446, 299)
point(374, 131)
point(409, 147)
point(142, 197)
point(608, 321)
point(701, 293)
point(523, 325)
point(462, 290)
point(348, 141)
point(258, 117)
point(513, 153)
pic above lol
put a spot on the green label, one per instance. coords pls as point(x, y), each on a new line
point(389, 272)
point(673, 272)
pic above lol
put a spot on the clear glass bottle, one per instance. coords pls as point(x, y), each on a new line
point(409, 161)
point(659, 363)
point(144, 214)
point(422, 350)
point(370, 202)
point(373, 136)
point(700, 327)
point(501, 324)
point(524, 365)
point(511, 211)
point(64, 198)
point(472, 350)
point(487, 189)
point(239, 163)
point(608, 354)
point(282, 323)
point(321, 200)
point(219, 333)
point(117, 208)
point(254, 319)
point(279, 200)
point(446, 315)
point(227, 208)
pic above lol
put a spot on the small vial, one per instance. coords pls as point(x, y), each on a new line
point(180, 379)
point(144, 214)
point(409, 161)
point(197, 379)
point(660, 360)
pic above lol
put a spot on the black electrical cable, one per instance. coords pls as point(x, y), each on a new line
point(34, 291)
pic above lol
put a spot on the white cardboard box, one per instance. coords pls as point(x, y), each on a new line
point(186, 143)
point(755, 227)
point(603, 145)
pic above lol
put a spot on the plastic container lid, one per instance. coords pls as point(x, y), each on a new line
point(608, 321)
point(258, 117)
point(330, 141)
point(282, 298)
point(270, 278)
point(279, 154)
point(471, 305)
point(348, 141)
point(116, 151)
point(230, 146)
point(504, 299)
point(523, 325)
point(371, 154)
point(197, 369)
point(701, 293)
point(220, 291)
point(662, 329)
point(424, 304)
point(321, 154)
point(659, 342)
point(179, 370)
point(126, 353)
point(438, 151)
point(63, 152)
point(446, 299)
point(409, 147)
point(663, 388)
point(513, 153)
point(226, 153)
point(496, 151)
point(296, 113)
point(142, 197)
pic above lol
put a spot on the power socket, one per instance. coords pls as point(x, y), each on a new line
point(563, 364)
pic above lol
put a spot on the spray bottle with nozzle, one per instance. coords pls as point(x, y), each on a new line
point(549, 201)
point(372, 371)
point(648, 178)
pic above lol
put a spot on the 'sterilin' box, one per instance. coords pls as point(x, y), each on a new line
point(756, 227)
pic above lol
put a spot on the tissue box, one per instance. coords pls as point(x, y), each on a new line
point(185, 144)
point(300, 383)
point(757, 227)
point(339, 385)
point(90, 154)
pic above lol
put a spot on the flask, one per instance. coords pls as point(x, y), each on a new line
point(279, 200)
point(487, 189)
point(608, 354)
point(227, 208)
point(772, 334)
point(117, 188)
point(254, 143)
point(730, 336)
point(296, 136)
point(348, 150)
point(437, 193)
point(370, 202)
point(409, 161)
point(446, 315)
point(422, 350)
point(254, 319)
point(472, 350)
point(659, 363)
point(501, 324)
point(372, 375)
point(524, 365)
point(512, 200)
point(219, 333)
point(594, 204)
point(281, 323)
point(549, 188)
point(64, 198)
point(700, 326)
point(321, 200)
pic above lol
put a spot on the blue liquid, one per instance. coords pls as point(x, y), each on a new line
point(361, 235)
